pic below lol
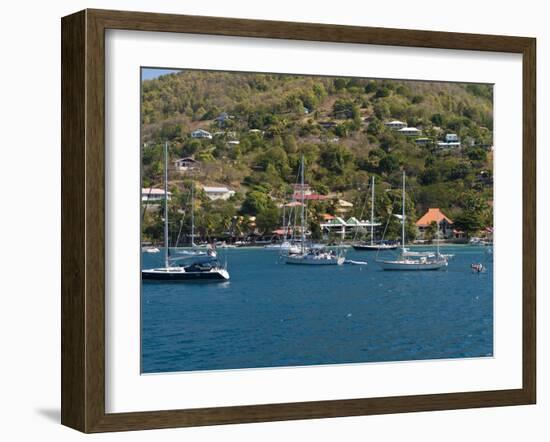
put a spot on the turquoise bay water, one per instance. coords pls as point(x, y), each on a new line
point(271, 314)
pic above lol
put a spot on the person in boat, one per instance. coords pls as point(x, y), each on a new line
point(477, 267)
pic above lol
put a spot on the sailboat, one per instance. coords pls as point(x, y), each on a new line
point(196, 271)
point(310, 255)
point(373, 245)
point(285, 245)
point(208, 254)
point(413, 260)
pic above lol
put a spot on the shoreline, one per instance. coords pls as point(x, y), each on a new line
point(347, 245)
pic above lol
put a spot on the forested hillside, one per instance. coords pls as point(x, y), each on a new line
point(268, 121)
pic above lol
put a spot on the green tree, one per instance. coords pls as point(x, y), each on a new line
point(382, 92)
point(388, 164)
point(428, 176)
point(437, 119)
point(344, 108)
point(335, 158)
point(268, 219)
point(255, 202)
point(469, 222)
point(375, 127)
point(430, 231)
point(476, 154)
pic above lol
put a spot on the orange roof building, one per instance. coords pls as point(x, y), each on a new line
point(432, 215)
point(437, 216)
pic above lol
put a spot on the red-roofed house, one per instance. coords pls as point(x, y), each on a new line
point(437, 216)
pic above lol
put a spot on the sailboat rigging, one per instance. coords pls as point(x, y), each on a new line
point(310, 255)
point(373, 246)
point(413, 260)
point(195, 252)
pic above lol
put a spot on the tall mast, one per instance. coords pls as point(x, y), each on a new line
point(438, 239)
point(372, 214)
point(284, 217)
point(403, 217)
point(192, 213)
point(302, 216)
point(166, 253)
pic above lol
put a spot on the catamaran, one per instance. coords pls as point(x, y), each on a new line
point(206, 270)
point(310, 255)
point(413, 260)
point(373, 245)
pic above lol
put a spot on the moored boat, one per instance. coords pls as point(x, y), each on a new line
point(315, 257)
point(193, 272)
point(408, 260)
point(204, 267)
point(374, 247)
point(310, 255)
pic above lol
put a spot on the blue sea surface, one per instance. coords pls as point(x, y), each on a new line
point(271, 314)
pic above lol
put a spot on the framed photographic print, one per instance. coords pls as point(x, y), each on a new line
point(268, 221)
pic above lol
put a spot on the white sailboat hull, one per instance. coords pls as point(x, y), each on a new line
point(412, 265)
point(374, 247)
point(314, 261)
point(180, 274)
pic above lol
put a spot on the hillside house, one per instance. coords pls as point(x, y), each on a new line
point(343, 206)
point(423, 141)
point(187, 164)
point(328, 124)
point(223, 118)
point(218, 193)
point(451, 142)
point(410, 131)
point(151, 195)
point(395, 124)
point(201, 134)
point(309, 194)
point(451, 138)
point(448, 145)
point(437, 216)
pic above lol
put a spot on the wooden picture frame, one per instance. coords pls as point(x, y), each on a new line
point(83, 219)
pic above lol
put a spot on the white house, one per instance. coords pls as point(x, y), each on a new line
point(218, 193)
point(448, 145)
point(150, 195)
point(451, 142)
point(342, 227)
point(451, 138)
point(395, 124)
point(187, 164)
point(200, 133)
point(410, 131)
